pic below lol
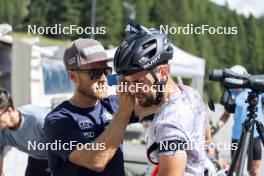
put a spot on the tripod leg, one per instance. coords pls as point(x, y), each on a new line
point(244, 149)
point(260, 129)
point(236, 155)
point(250, 151)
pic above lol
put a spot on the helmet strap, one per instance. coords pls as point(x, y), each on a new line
point(160, 87)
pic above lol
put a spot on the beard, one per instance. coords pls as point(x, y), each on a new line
point(94, 92)
point(149, 100)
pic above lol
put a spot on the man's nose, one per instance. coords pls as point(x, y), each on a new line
point(133, 92)
point(134, 89)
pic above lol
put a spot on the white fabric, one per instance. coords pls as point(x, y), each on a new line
point(182, 117)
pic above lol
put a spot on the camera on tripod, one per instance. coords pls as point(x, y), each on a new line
point(255, 83)
point(229, 79)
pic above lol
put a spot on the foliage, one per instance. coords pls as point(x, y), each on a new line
point(219, 51)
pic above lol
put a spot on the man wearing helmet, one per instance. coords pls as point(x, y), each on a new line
point(239, 108)
point(179, 119)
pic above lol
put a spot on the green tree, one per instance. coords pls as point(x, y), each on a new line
point(142, 11)
point(10, 13)
point(162, 13)
point(109, 13)
point(65, 13)
point(182, 11)
point(198, 8)
point(255, 46)
point(261, 27)
point(39, 10)
point(241, 41)
point(233, 51)
point(2, 11)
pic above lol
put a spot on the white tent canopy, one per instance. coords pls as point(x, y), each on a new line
point(188, 66)
point(5, 29)
point(183, 64)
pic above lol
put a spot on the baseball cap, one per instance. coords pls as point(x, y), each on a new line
point(83, 51)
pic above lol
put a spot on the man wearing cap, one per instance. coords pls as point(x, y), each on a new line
point(89, 127)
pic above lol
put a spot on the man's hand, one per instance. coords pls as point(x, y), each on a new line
point(214, 128)
point(126, 98)
point(144, 111)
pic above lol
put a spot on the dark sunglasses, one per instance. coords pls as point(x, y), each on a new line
point(95, 74)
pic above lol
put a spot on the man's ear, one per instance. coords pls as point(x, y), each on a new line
point(164, 72)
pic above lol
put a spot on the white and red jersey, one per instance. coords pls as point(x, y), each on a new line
point(181, 118)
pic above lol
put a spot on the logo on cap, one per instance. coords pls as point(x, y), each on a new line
point(72, 60)
point(93, 49)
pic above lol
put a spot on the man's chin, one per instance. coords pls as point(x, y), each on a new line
point(101, 95)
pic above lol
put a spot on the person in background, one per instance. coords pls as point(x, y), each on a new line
point(236, 103)
point(21, 127)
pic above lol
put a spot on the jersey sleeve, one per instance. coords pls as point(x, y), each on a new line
point(66, 133)
point(168, 131)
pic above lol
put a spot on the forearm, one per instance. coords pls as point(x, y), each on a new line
point(208, 136)
point(223, 119)
point(111, 138)
point(172, 165)
point(143, 112)
point(220, 123)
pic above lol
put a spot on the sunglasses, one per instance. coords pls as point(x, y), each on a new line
point(95, 74)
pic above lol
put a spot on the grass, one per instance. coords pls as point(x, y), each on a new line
point(42, 39)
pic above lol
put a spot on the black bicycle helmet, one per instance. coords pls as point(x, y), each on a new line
point(143, 50)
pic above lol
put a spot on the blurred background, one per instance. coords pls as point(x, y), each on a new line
point(32, 70)
point(219, 51)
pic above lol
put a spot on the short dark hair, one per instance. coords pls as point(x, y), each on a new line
point(5, 99)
